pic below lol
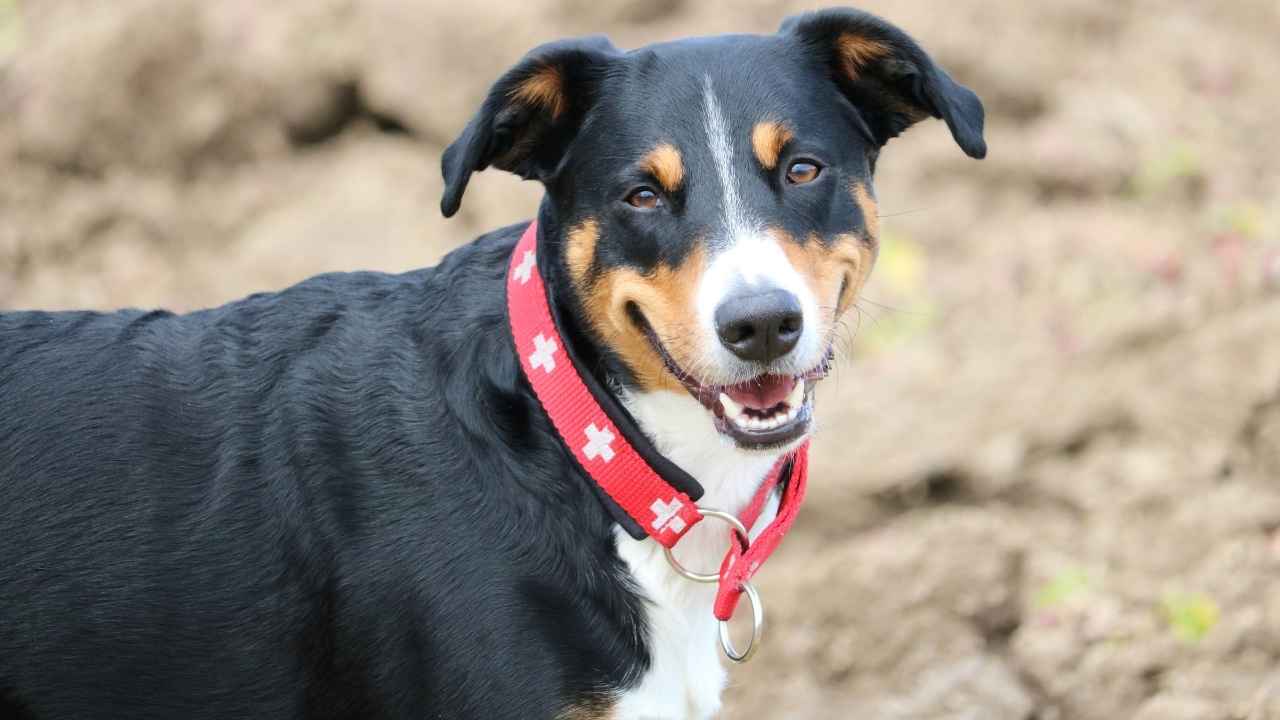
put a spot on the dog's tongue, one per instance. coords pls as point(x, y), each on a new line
point(763, 392)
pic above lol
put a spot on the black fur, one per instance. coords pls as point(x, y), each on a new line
point(341, 500)
point(338, 501)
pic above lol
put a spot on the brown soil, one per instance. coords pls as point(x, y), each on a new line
point(1048, 473)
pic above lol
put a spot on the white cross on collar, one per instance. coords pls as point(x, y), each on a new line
point(667, 515)
point(544, 354)
point(525, 268)
point(598, 441)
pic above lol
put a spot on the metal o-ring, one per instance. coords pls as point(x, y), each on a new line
point(733, 522)
point(757, 628)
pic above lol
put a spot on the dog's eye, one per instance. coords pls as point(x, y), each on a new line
point(803, 171)
point(644, 198)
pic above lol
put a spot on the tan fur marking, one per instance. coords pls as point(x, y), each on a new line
point(544, 88)
point(767, 139)
point(593, 709)
point(870, 211)
point(665, 164)
point(857, 51)
point(835, 272)
point(666, 298)
point(580, 251)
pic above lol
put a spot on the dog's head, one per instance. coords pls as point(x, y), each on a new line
point(713, 215)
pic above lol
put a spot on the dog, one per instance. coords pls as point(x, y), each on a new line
point(344, 500)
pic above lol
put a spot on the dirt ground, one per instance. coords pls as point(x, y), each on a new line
point(1047, 478)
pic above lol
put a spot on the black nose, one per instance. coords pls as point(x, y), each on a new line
point(760, 325)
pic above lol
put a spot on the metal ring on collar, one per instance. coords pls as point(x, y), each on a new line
point(757, 627)
point(733, 522)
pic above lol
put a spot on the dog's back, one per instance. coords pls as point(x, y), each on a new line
point(269, 509)
point(152, 501)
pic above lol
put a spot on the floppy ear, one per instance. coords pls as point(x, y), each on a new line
point(530, 115)
point(888, 78)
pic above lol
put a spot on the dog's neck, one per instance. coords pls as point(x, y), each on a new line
point(685, 677)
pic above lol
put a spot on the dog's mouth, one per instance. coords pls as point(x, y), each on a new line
point(766, 412)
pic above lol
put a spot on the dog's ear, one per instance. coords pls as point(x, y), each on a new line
point(888, 78)
point(530, 115)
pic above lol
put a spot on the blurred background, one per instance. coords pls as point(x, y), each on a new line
point(1048, 467)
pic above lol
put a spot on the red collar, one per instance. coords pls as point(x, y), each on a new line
point(646, 493)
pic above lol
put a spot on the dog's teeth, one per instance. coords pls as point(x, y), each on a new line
point(794, 410)
point(736, 414)
point(732, 410)
point(796, 398)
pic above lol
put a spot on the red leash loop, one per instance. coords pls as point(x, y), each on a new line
point(740, 564)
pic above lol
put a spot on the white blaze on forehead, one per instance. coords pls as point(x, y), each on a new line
point(737, 218)
point(743, 251)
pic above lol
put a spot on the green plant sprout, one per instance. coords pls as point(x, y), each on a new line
point(1190, 615)
point(1064, 586)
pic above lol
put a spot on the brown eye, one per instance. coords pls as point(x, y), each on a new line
point(644, 198)
point(803, 172)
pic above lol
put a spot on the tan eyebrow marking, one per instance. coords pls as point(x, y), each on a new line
point(664, 163)
point(767, 140)
point(544, 88)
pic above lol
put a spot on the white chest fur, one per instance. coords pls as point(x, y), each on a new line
point(685, 679)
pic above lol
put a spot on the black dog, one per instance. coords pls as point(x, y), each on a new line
point(342, 501)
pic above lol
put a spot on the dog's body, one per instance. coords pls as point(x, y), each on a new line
point(294, 506)
point(343, 500)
